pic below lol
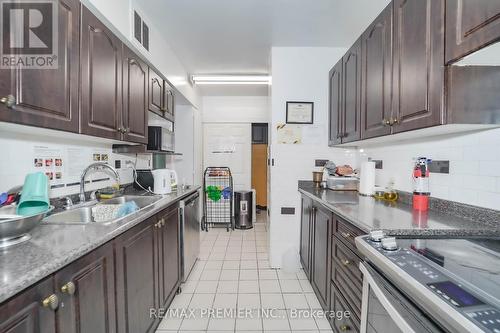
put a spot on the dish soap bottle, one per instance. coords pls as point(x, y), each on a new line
point(391, 194)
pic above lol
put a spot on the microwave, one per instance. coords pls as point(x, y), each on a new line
point(161, 139)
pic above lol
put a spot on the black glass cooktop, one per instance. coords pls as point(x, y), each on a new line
point(477, 261)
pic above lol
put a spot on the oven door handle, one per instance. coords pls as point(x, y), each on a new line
point(370, 282)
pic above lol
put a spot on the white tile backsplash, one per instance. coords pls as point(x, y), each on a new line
point(474, 176)
point(19, 148)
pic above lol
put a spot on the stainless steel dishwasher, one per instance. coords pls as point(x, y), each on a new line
point(190, 233)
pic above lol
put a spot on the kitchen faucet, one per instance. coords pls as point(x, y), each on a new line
point(95, 166)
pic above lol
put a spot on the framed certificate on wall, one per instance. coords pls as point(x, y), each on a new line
point(299, 112)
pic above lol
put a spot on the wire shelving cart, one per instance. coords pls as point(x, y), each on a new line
point(218, 194)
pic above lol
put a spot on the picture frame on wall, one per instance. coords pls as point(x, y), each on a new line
point(299, 112)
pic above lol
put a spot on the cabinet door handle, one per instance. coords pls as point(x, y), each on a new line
point(162, 222)
point(345, 262)
point(345, 328)
point(157, 225)
point(51, 302)
point(393, 121)
point(386, 122)
point(69, 288)
point(9, 101)
point(346, 234)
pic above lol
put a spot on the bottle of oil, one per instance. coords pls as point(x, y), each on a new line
point(391, 194)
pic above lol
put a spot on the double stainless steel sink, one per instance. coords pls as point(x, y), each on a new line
point(83, 215)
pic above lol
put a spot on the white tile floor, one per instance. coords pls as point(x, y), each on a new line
point(234, 273)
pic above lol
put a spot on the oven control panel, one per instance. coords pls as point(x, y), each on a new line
point(434, 279)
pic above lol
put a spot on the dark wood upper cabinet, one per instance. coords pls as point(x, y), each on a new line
point(156, 93)
point(470, 25)
point(101, 80)
point(87, 290)
point(418, 73)
point(137, 277)
point(376, 77)
point(48, 97)
point(321, 258)
point(168, 101)
point(135, 97)
point(25, 314)
point(351, 85)
point(335, 105)
point(169, 254)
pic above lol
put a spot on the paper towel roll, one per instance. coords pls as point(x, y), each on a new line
point(367, 178)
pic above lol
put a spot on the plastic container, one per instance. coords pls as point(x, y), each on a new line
point(35, 195)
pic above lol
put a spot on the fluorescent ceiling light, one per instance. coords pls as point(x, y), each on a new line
point(231, 79)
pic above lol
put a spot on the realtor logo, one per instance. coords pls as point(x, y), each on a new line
point(29, 34)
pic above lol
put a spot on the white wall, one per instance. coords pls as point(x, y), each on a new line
point(474, 176)
point(235, 109)
point(298, 74)
point(184, 144)
point(118, 13)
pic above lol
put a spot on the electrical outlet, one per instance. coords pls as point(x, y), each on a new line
point(439, 166)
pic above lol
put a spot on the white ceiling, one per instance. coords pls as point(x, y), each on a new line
point(235, 36)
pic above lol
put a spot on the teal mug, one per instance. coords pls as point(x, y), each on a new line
point(35, 195)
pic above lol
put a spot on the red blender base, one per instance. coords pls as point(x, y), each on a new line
point(421, 201)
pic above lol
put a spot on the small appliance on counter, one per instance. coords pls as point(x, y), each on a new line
point(429, 285)
point(339, 182)
point(158, 181)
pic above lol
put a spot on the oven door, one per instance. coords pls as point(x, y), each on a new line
point(386, 310)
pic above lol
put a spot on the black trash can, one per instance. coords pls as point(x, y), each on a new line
point(243, 203)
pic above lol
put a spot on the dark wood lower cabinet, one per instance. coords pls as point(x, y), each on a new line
point(25, 313)
point(334, 261)
point(305, 235)
point(114, 288)
point(344, 319)
point(320, 265)
point(87, 293)
point(137, 277)
point(168, 254)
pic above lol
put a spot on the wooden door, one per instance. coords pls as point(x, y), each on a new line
point(48, 97)
point(155, 93)
point(259, 173)
point(135, 97)
point(168, 101)
point(24, 312)
point(137, 278)
point(335, 105)
point(87, 289)
point(169, 255)
point(101, 81)
point(376, 76)
point(418, 64)
point(306, 222)
point(470, 25)
point(321, 258)
point(351, 86)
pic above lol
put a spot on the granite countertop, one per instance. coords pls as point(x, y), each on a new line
point(397, 219)
point(52, 247)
